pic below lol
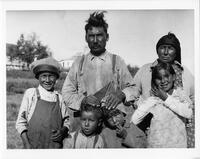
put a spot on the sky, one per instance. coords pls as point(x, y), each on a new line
point(133, 34)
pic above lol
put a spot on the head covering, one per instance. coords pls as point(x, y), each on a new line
point(46, 65)
point(171, 39)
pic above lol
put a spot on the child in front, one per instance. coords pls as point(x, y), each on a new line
point(119, 133)
point(87, 136)
point(41, 115)
point(169, 106)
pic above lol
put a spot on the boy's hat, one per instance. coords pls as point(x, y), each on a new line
point(48, 64)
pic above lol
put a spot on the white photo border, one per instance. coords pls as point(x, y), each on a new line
point(98, 5)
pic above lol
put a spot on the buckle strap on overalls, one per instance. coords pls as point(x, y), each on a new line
point(39, 96)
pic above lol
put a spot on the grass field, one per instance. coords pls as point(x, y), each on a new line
point(13, 138)
point(13, 104)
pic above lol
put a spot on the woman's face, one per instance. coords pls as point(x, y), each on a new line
point(166, 53)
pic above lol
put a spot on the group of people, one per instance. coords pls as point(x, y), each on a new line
point(98, 89)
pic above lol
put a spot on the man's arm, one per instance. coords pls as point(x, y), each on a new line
point(70, 87)
point(129, 86)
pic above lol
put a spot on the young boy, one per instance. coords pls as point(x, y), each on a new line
point(118, 133)
point(43, 119)
point(88, 134)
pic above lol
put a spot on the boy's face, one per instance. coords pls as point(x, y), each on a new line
point(165, 80)
point(47, 80)
point(89, 122)
point(116, 120)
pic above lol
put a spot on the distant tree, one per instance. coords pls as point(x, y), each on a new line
point(30, 48)
point(132, 70)
point(11, 51)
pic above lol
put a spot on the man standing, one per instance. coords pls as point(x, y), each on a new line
point(96, 70)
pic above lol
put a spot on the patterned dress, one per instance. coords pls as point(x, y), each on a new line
point(167, 130)
point(167, 127)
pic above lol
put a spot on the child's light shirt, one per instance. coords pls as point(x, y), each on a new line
point(79, 141)
point(167, 128)
point(29, 102)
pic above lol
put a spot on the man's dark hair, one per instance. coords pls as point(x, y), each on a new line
point(171, 39)
point(158, 67)
point(96, 19)
point(89, 108)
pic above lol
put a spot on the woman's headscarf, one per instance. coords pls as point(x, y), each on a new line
point(171, 39)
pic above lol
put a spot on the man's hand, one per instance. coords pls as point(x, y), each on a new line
point(58, 135)
point(113, 99)
point(91, 100)
point(159, 93)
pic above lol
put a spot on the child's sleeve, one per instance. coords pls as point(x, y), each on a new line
point(180, 103)
point(142, 110)
point(21, 123)
point(135, 138)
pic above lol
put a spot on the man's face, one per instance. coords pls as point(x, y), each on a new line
point(47, 80)
point(96, 37)
point(89, 122)
point(165, 80)
point(166, 53)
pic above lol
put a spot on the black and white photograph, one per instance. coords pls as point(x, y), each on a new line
point(100, 75)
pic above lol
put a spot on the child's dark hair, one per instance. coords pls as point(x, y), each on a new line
point(110, 113)
point(96, 19)
point(155, 71)
point(89, 108)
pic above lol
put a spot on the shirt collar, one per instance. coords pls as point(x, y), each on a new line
point(102, 57)
point(175, 62)
point(45, 92)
